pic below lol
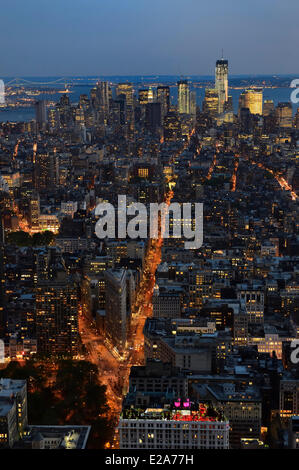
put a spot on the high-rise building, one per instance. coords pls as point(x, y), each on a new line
point(253, 298)
point(172, 127)
point(41, 114)
point(221, 83)
point(53, 118)
point(153, 116)
point(163, 95)
point(34, 211)
point(252, 99)
point(143, 96)
point(46, 169)
point(210, 102)
point(284, 115)
point(117, 315)
point(183, 97)
point(56, 310)
point(193, 103)
point(268, 107)
point(126, 90)
point(102, 94)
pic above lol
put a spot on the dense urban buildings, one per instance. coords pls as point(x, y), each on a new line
point(196, 348)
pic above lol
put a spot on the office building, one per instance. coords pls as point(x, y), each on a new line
point(163, 97)
point(180, 424)
point(210, 102)
point(41, 114)
point(284, 115)
point(183, 97)
point(56, 310)
point(153, 116)
point(252, 98)
point(221, 83)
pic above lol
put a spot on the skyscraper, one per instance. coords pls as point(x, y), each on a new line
point(252, 99)
point(183, 97)
point(56, 310)
point(102, 94)
point(163, 94)
point(221, 83)
point(210, 102)
point(46, 168)
point(126, 90)
point(284, 115)
point(41, 114)
point(153, 116)
point(268, 107)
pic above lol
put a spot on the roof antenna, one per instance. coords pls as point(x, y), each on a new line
point(222, 54)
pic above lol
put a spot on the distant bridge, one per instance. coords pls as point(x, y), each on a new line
point(22, 81)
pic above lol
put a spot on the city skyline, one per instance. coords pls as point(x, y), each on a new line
point(149, 288)
point(147, 38)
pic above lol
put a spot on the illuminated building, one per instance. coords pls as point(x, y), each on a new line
point(284, 115)
point(242, 406)
point(297, 119)
point(183, 97)
point(55, 437)
point(49, 222)
point(193, 103)
point(15, 391)
point(53, 118)
point(210, 102)
point(268, 107)
point(179, 425)
point(143, 96)
point(289, 398)
point(117, 315)
point(56, 311)
point(254, 302)
point(293, 433)
point(240, 327)
point(102, 94)
point(126, 89)
point(268, 344)
point(163, 94)
point(41, 114)
point(8, 424)
point(34, 211)
point(252, 98)
point(46, 169)
point(150, 95)
point(221, 83)
point(12, 179)
point(69, 208)
point(172, 127)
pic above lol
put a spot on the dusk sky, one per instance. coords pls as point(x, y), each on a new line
point(141, 37)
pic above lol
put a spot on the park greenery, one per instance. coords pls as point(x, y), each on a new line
point(21, 238)
point(63, 393)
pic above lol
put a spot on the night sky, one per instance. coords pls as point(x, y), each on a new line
point(141, 37)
